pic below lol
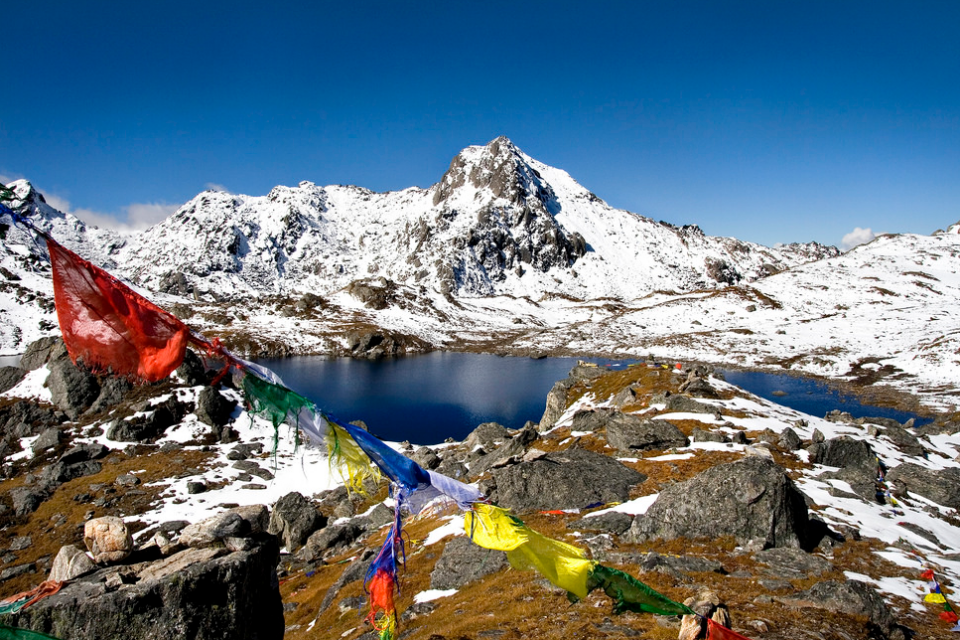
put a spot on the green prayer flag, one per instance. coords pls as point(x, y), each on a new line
point(629, 594)
point(15, 633)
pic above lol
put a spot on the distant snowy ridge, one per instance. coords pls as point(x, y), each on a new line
point(497, 223)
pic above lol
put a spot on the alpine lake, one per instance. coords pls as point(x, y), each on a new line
point(428, 398)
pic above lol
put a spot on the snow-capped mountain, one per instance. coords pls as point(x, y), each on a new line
point(498, 222)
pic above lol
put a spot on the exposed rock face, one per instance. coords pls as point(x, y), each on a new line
point(150, 422)
point(569, 479)
point(612, 522)
point(11, 377)
point(38, 353)
point(943, 486)
point(792, 563)
point(197, 594)
point(213, 408)
point(463, 562)
point(73, 389)
point(557, 397)
point(752, 500)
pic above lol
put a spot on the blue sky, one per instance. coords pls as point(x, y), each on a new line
point(767, 121)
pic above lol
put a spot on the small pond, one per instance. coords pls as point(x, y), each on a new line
point(811, 396)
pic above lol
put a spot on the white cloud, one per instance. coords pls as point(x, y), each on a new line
point(213, 186)
point(135, 217)
point(857, 237)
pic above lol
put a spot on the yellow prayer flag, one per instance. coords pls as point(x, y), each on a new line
point(493, 527)
point(350, 460)
point(936, 598)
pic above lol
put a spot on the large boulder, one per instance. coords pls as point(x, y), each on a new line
point(843, 452)
point(463, 562)
point(149, 422)
point(570, 479)
point(631, 434)
point(557, 397)
point(213, 408)
point(73, 389)
point(38, 352)
point(11, 377)
point(293, 519)
point(851, 597)
point(751, 499)
point(941, 486)
point(107, 539)
point(196, 594)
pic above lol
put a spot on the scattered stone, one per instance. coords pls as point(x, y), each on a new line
point(19, 543)
point(26, 500)
point(631, 434)
point(790, 563)
point(569, 479)
point(191, 370)
point(463, 562)
point(486, 435)
point(113, 389)
point(149, 422)
point(256, 517)
point(426, 458)
point(194, 487)
point(789, 440)
point(708, 605)
point(71, 562)
point(17, 570)
point(816, 436)
point(213, 408)
point(699, 435)
point(84, 452)
point(331, 540)
point(107, 539)
point(293, 519)
point(683, 404)
point(48, 439)
point(610, 522)
point(752, 499)
point(508, 453)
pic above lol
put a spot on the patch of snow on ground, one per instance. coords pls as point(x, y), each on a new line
point(433, 594)
point(453, 527)
point(32, 387)
point(634, 507)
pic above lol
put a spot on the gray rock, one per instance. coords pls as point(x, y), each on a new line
point(293, 519)
point(789, 440)
point(843, 451)
point(630, 434)
point(863, 481)
point(26, 500)
point(598, 419)
point(192, 595)
point(508, 453)
point(206, 532)
point(791, 563)
point(84, 452)
point(71, 562)
point(113, 390)
point(26, 418)
point(11, 377)
point(942, 486)
point(48, 439)
point(19, 543)
point(256, 518)
point(72, 389)
point(463, 562)
point(699, 435)
point(17, 570)
point(570, 479)
point(426, 458)
point(556, 404)
point(486, 435)
point(191, 370)
point(333, 539)
point(851, 597)
point(150, 423)
point(354, 572)
point(213, 408)
point(610, 522)
point(60, 472)
point(453, 469)
point(686, 564)
point(127, 480)
point(751, 499)
point(905, 441)
point(38, 352)
point(683, 404)
point(194, 488)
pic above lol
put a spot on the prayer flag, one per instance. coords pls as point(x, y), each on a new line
point(716, 631)
point(629, 594)
point(108, 325)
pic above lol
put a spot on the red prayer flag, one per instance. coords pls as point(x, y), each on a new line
point(927, 575)
point(949, 616)
point(110, 326)
point(716, 631)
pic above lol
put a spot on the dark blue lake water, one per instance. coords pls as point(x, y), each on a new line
point(427, 398)
point(811, 396)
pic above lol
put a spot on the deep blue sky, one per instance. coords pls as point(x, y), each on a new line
point(770, 121)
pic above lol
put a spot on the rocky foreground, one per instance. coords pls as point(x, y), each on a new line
point(167, 513)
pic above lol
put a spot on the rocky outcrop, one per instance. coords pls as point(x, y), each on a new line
point(196, 594)
point(752, 500)
point(851, 597)
point(293, 519)
point(942, 487)
point(463, 562)
point(631, 434)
